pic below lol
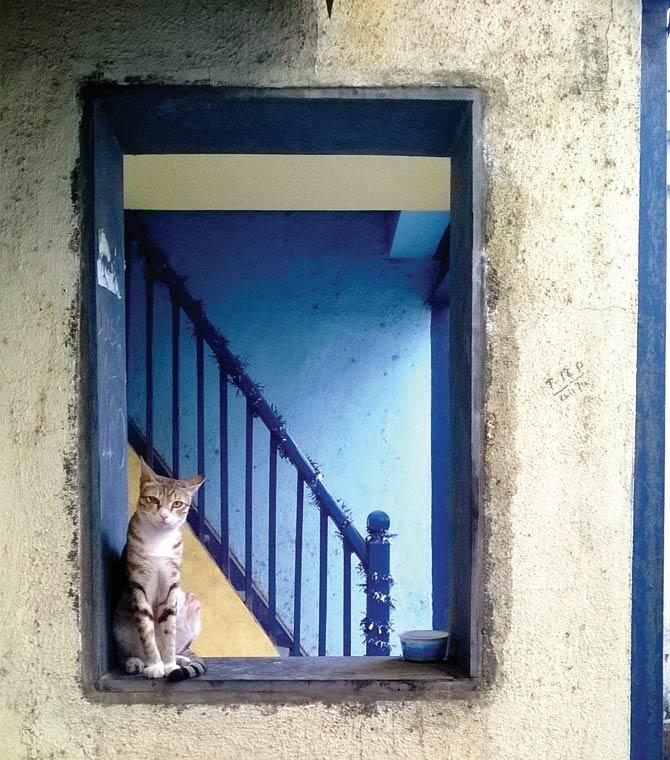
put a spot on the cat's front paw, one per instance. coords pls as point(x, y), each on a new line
point(170, 666)
point(155, 670)
point(134, 665)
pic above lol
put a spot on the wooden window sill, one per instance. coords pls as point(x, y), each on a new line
point(294, 679)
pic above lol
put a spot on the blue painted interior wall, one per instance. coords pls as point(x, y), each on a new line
point(339, 335)
point(417, 234)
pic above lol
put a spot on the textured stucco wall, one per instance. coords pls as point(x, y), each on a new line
point(560, 129)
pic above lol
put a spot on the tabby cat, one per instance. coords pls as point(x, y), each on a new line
point(155, 621)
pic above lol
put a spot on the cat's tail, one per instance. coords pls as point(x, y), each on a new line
point(194, 669)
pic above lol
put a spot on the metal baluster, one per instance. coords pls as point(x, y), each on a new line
point(272, 537)
point(346, 607)
point(149, 399)
point(323, 579)
point(297, 578)
point(175, 389)
point(200, 414)
point(248, 507)
point(223, 464)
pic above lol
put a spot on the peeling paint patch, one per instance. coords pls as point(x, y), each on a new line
point(106, 275)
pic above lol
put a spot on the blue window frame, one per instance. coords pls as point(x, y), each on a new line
point(157, 119)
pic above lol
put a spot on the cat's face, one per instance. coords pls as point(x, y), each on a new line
point(165, 502)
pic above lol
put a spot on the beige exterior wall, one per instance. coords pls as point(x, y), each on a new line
point(560, 82)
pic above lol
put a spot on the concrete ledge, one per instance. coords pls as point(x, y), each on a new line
point(295, 679)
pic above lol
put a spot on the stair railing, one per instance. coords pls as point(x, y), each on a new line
point(373, 552)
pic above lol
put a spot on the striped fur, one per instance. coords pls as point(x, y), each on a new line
point(155, 621)
point(194, 669)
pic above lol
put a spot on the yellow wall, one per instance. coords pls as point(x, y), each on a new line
point(228, 628)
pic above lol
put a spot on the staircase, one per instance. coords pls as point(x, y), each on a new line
point(372, 552)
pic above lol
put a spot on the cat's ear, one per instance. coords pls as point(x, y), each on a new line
point(192, 484)
point(147, 475)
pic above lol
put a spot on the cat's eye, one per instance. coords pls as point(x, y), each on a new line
point(178, 504)
point(151, 499)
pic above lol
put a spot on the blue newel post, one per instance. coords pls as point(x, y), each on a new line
point(376, 624)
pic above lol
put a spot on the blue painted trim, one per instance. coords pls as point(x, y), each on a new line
point(108, 410)
point(647, 603)
point(202, 119)
point(442, 509)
